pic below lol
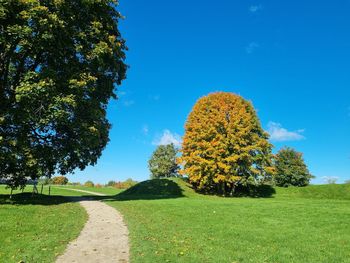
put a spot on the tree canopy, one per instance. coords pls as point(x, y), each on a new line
point(163, 162)
point(224, 145)
point(291, 169)
point(60, 62)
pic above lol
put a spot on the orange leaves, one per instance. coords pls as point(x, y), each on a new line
point(223, 142)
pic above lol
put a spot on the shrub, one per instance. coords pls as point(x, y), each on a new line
point(126, 184)
point(60, 180)
point(111, 183)
point(162, 163)
point(224, 145)
point(89, 184)
point(291, 169)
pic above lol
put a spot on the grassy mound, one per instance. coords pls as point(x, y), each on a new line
point(155, 189)
point(177, 187)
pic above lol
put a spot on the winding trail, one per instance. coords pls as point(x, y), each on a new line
point(104, 237)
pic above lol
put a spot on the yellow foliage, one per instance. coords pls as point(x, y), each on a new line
point(224, 142)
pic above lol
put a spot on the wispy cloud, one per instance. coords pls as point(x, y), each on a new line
point(255, 8)
point(252, 46)
point(145, 129)
point(167, 138)
point(154, 97)
point(121, 93)
point(128, 103)
point(280, 134)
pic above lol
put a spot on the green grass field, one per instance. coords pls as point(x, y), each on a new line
point(169, 222)
point(294, 225)
point(37, 229)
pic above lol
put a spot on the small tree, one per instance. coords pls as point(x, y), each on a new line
point(60, 180)
point(330, 179)
point(163, 162)
point(291, 169)
point(89, 184)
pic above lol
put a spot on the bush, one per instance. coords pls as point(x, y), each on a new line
point(111, 183)
point(126, 184)
point(224, 145)
point(89, 184)
point(60, 180)
point(291, 169)
point(162, 163)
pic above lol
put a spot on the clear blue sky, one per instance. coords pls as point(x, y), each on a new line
point(290, 58)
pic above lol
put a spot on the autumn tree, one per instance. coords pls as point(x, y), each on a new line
point(59, 180)
point(291, 169)
point(224, 145)
point(163, 162)
point(60, 62)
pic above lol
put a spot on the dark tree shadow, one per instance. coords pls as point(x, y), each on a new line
point(30, 199)
point(255, 191)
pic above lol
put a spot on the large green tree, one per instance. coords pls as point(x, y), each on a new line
point(163, 162)
point(224, 145)
point(291, 169)
point(60, 62)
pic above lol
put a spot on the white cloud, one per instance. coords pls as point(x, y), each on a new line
point(121, 93)
point(252, 46)
point(168, 138)
point(280, 134)
point(145, 129)
point(255, 8)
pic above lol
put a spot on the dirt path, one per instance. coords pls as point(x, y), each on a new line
point(103, 239)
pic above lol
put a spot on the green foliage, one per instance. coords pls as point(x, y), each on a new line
point(163, 162)
point(224, 145)
point(59, 64)
point(60, 180)
point(89, 184)
point(291, 169)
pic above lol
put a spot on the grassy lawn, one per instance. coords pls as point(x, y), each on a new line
point(186, 227)
point(168, 222)
point(37, 229)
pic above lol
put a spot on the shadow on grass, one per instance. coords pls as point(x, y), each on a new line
point(256, 191)
point(30, 199)
point(147, 190)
